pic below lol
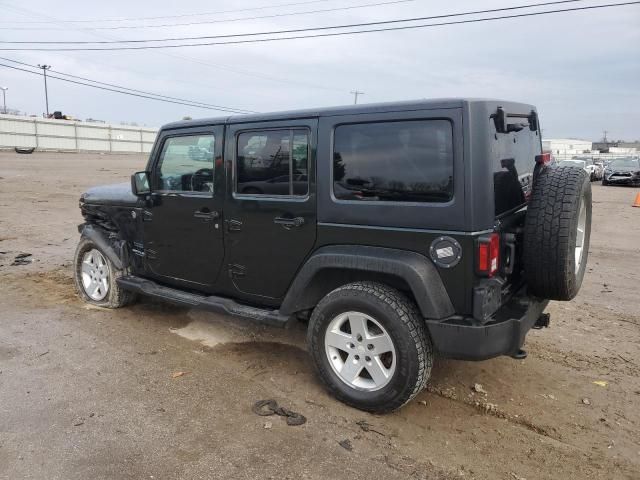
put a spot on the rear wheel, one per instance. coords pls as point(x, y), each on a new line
point(557, 232)
point(370, 346)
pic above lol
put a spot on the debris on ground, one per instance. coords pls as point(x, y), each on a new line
point(606, 289)
point(270, 407)
point(22, 259)
point(586, 401)
point(268, 425)
point(479, 388)
point(346, 444)
point(600, 383)
point(366, 427)
point(179, 374)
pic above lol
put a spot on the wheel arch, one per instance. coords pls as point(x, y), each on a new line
point(114, 249)
point(333, 266)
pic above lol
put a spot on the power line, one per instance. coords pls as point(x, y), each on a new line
point(299, 30)
point(217, 66)
point(150, 96)
point(132, 19)
point(208, 105)
point(226, 20)
point(322, 35)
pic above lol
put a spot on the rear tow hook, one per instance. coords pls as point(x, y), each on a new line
point(543, 321)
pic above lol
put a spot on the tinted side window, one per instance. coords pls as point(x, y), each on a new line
point(272, 162)
point(408, 161)
point(186, 164)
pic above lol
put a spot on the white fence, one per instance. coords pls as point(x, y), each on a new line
point(596, 157)
point(69, 135)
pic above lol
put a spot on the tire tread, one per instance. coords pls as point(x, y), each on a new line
point(548, 232)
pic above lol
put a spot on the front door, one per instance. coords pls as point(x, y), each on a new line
point(182, 225)
point(270, 212)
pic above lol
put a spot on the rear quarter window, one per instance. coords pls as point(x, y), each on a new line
point(513, 159)
point(394, 161)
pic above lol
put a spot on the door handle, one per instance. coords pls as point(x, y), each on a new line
point(289, 222)
point(206, 215)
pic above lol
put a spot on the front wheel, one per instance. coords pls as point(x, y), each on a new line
point(95, 277)
point(370, 346)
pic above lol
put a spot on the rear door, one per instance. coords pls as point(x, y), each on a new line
point(270, 208)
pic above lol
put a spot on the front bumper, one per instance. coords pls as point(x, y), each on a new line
point(504, 334)
point(622, 179)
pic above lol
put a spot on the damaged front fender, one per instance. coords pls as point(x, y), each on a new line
point(114, 248)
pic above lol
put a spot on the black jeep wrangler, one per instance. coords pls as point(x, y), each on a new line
point(398, 231)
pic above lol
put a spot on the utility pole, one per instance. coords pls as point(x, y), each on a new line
point(46, 93)
point(604, 138)
point(4, 98)
point(355, 96)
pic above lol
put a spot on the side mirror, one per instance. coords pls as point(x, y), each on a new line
point(140, 183)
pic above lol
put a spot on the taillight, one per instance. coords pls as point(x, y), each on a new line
point(488, 254)
point(543, 159)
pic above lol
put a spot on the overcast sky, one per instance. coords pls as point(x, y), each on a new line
point(582, 70)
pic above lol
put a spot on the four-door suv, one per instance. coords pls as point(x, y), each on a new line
point(398, 231)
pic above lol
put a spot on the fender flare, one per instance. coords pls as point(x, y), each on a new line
point(112, 249)
point(410, 268)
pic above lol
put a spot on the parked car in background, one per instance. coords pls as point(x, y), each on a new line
point(592, 168)
point(622, 171)
point(600, 165)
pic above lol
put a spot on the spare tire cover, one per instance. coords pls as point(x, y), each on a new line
point(557, 232)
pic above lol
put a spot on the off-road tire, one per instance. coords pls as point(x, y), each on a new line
point(550, 233)
point(116, 296)
point(604, 183)
point(404, 324)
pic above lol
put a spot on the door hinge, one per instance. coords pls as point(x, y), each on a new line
point(236, 270)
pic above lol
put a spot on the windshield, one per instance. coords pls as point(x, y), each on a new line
point(625, 162)
point(572, 163)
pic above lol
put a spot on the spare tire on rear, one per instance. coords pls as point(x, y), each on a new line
point(556, 233)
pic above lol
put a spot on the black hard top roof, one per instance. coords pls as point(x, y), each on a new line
point(425, 104)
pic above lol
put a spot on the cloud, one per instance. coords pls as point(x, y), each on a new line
point(580, 69)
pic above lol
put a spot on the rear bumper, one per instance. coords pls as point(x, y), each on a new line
point(466, 339)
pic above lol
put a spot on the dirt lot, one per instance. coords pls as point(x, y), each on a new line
point(90, 393)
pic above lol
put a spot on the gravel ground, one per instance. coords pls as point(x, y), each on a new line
point(90, 393)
